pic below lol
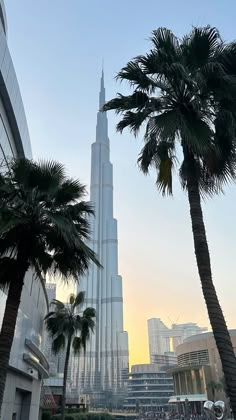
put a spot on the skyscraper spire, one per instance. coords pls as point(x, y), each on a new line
point(102, 124)
point(102, 91)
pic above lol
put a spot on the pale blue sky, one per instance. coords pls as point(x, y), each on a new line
point(57, 47)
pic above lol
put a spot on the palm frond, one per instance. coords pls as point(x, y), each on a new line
point(58, 344)
point(164, 179)
point(152, 64)
point(199, 46)
point(77, 345)
point(166, 44)
point(226, 55)
point(164, 161)
point(79, 299)
point(147, 154)
point(133, 120)
point(71, 299)
point(81, 209)
point(72, 263)
point(133, 73)
point(138, 100)
point(54, 323)
point(89, 313)
point(69, 192)
point(196, 134)
point(58, 304)
point(49, 315)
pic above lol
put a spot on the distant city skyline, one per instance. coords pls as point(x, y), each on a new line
point(57, 49)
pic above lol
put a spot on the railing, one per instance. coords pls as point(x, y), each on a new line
point(46, 397)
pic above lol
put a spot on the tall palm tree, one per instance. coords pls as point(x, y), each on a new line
point(184, 91)
point(44, 223)
point(68, 327)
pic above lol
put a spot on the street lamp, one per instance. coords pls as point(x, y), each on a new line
point(178, 406)
point(186, 408)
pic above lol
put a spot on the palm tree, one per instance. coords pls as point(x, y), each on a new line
point(43, 226)
point(214, 387)
point(68, 327)
point(184, 91)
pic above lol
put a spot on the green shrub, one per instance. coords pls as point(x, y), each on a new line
point(94, 416)
point(84, 416)
point(46, 415)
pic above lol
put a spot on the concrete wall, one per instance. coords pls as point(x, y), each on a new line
point(22, 396)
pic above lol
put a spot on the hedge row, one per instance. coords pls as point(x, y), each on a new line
point(84, 416)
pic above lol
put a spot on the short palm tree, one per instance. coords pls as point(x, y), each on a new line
point(184, 92)
point(44, 224)
point(68, 327)
point(214, 387)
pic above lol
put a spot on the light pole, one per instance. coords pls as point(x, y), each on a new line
point(178, 406)
point(186, 408)
point(146, 388)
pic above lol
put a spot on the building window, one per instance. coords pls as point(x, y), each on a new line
point(192, 358)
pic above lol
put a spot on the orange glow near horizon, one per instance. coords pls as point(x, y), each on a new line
point(141, 306)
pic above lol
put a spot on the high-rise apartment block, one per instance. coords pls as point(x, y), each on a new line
point(164, 340)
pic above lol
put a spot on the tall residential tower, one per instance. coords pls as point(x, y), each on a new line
point(163, 340)
point(105, 365)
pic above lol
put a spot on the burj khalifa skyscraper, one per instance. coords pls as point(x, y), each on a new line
point(104, 366)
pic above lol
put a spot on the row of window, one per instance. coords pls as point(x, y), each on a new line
point(151, 386)
point(200, 357)
point(152, 381)
point(151, 393)
point(144, 401)
point(147, 376)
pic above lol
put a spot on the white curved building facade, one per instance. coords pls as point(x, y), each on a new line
point(28, 365)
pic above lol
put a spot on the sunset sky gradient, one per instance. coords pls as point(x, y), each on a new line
point(57, 47)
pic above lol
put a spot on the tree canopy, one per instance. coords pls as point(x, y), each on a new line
point(184, 91)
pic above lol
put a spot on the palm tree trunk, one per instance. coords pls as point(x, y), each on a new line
point(63, 403)
point(9, 324)
point(213, 393)
point(216, 317)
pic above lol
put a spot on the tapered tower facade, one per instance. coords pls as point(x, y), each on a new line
point(104, 367)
